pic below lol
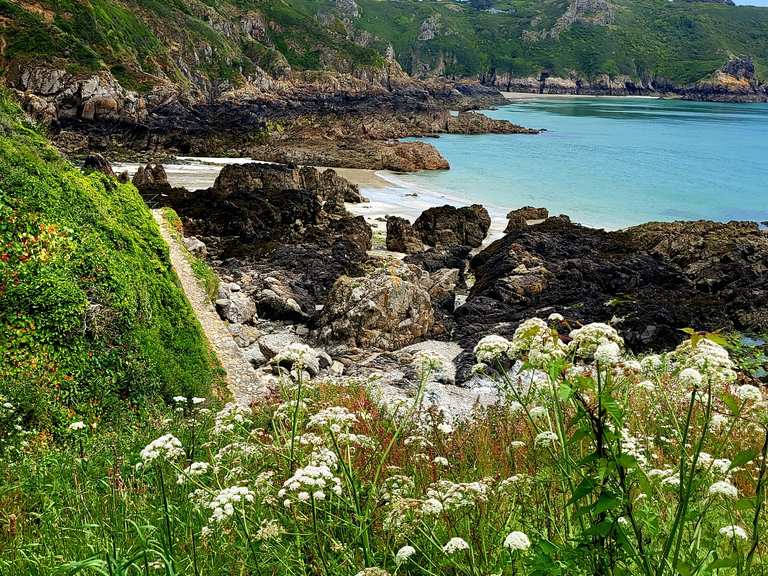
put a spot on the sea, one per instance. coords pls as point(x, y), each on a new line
point(612, 162)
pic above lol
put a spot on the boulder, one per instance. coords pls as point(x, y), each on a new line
point(385, 309)
point(97, 163)
point(518, 219)
point(450, 226)
point(271, 345)
point(196, 246)
point(234, 305)
point(401, 237)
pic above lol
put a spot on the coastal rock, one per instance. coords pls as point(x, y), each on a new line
point(385, 309)
point(650, 281)
point(518, 219)
point(235, 306)
point(97, 163)
point(401, 237)
point(196, 246)
point(450, 226)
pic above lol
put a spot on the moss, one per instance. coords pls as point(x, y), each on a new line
point(92, 318)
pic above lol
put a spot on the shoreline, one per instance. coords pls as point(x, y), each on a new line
point(536, 96)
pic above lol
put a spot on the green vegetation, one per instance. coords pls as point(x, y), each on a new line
point(598, 464)
point(679, 41)
point(92, 320)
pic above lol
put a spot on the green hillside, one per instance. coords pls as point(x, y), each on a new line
point(92, 319)
point(680, 41)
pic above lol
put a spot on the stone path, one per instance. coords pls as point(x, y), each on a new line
point(241, 377)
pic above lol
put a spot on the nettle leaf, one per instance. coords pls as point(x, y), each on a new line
point(613, 408)
point(742, 458)
point(606, 502)
point(732, 403)
point(745, 503)
point(565, 392)
point(585, 488)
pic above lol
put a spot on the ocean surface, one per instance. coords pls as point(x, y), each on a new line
point(612, 162)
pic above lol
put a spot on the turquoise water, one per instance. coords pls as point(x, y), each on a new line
point(615, 162)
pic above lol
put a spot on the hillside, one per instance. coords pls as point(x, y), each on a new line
point(209, 47)
point(91, 315)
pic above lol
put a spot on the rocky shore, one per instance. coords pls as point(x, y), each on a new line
point(736, 81)
point(296, 266)
point(326, 119)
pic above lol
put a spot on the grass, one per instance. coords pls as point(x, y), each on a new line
point(585, 466)
point(92, 319)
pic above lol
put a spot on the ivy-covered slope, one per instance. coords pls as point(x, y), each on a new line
point(92, 318)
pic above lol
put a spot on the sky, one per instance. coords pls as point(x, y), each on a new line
point(753, 2)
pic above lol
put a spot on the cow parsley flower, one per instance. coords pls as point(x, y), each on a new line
point(608, 353)
point(538, 341)
point(440, 461)
point(335, 418)
point(690, 377)
point(75, 426)
point(309, 481)
point(296, 353)
point(223, 504)
point(517, 541)
point(194, 469)
point(733, 532)
point(445, 428)
point(404, 554)
point(428, 362)
point(491, 349)
point(431, 507)
point(229, 418)
point(454, 496)
point(586, 340)
point(269, 530)
point(167, 447)
point(538, 412)
point(546, 438)
point(723, 488)
point(555, 317)
point(454, 545)
point(748, 393)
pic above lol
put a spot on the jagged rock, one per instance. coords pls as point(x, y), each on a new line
point(433, 259)
point(401, 237)
point(650, 281)
point(518, 219)
point(441, 283)
point(450, 226)
point(272, 344)
point(97, 163)
point(196, 246)
point(234, 305)
point(255, 356)
point(385, 309)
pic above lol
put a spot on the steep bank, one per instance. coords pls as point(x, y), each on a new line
point(92, 319)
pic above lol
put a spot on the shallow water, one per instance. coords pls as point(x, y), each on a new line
point(614, 162)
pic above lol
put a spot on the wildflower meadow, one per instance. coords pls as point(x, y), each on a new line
point(593, 462)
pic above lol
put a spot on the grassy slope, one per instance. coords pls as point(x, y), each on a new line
point(679, 41)
point(91, 315)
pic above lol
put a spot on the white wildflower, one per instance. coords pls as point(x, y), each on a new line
point(269, 530)
point(723, 488)
point(546, 438)
point(454, 545)
point(229, 418)
point(404, 554)
point(167, 447)
point(491, 348)
point(690, 377)
point(445, 428)
point(722, 465)
point(538, 412)
point(538, 341)
point(335, 418)
point(555, 317)
point(440, 461)
point(428, 362)
point(517, 541)
point(310, 479)
point(608, 353)
point(431, 507)
point(733, 532)
point(194, 469)
point(586, 340)
point(75, 426)
point(748, 393)
point(223, 504)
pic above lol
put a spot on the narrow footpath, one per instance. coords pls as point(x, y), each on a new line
point(241, 377)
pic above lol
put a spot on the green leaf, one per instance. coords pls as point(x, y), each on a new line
point(742, 458)
point(565, 392)
point(606, 502)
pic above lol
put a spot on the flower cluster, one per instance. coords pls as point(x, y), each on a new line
point(229, 418)
point(335, 419)
point(453, 496)
point(586, 340)
point(538, 342)
point(309, 483)
point(167, 447)
point(223, 504)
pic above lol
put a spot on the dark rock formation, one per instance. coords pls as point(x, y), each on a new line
point(446, 226)
point(401, 237)
point(518, 219)
point(97, 163)
point(651, 281)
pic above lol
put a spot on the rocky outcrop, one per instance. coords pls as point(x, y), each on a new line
point(446, 226)
point(97, 163)
point(401, 237)
point(518, 219)
point(735, 81)
point(649, 281)
point(386, 309)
